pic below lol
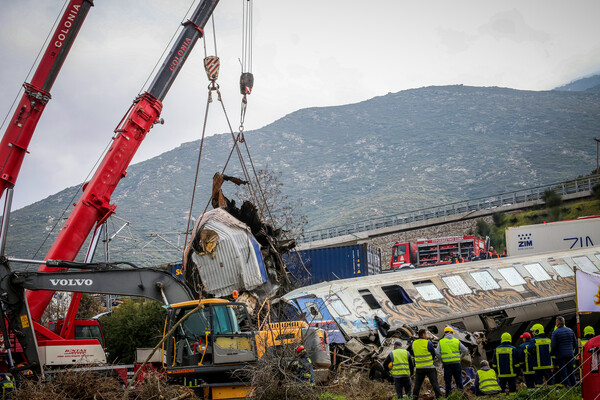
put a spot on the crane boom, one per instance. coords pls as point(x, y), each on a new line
point(19, 131)
point(94, 206)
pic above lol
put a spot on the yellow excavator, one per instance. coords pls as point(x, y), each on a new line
point(208, 349)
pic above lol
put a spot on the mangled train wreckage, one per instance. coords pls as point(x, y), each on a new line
point(490, 296)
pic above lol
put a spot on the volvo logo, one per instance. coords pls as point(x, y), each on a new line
point(71, 282)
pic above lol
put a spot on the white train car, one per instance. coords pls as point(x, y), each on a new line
point(498, 295)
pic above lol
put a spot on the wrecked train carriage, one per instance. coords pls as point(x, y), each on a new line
point(224, 257)
point(495, 296)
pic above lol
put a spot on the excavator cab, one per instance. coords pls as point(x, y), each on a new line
point(213, 340)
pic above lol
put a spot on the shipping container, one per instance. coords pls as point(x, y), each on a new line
point(553, 236)
point(330, 263)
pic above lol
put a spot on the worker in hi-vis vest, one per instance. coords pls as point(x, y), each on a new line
point(486, 382)
point(543, 365)
point(424, 352)
point(450, 350)
point(506, 362)
point(400, 365)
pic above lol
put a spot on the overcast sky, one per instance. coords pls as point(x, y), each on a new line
point(306, 53)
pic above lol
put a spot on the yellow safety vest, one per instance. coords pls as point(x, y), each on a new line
point(528, 369)
point(583, 342)
point(423, 357)
point(450, 350)
point(488, 383)
point(400, 365)
point(509, 352)
point(542, 347)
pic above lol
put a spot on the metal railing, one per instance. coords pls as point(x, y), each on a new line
point(459, 207)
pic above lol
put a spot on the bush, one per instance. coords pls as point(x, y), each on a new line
point(498, 218)
point(551, 198)
point(88, 385)
point(596, 191)
point(483, 228)
point(135, 323)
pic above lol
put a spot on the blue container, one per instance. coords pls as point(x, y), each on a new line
point(176, 270)
point(332, 263)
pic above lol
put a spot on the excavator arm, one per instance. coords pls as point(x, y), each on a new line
point(141, 282)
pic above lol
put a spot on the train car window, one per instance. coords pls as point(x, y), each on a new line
point(369, 299)
point(338, 305)
point(585, 264)
point(563, 270)
point(456, 285)
point(485, 280)
point(538, 272)
point(313, 309)
point(396, 294)
point(427, 290)
point(512, 276)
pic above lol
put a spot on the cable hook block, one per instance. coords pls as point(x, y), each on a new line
point(246, 83)
point(211, 65)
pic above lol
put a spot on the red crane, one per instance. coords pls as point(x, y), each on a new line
point(93, 207)
point(19, 131)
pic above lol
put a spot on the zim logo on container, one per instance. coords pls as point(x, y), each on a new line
point(524, 240)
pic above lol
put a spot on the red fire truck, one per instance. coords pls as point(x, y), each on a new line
point(439, 251)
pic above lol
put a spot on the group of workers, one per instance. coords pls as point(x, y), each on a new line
point(539, 359)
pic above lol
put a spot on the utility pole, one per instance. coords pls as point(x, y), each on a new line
point(597, 143)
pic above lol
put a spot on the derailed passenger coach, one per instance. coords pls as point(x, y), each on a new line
point(495, 296)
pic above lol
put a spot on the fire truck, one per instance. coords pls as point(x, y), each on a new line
point(438, 251)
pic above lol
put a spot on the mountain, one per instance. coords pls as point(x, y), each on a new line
point(399, 152)
point(589, 83)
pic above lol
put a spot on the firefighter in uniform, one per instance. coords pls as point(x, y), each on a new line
point(506, 361)
point(528, 360)
point(543, 364)
point(486, 383)
point(302, 366)
point(400, 364)
point(588, 333)
point(424, 352)
point(7, 385)
point(450, 350)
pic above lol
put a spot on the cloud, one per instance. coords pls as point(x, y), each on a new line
point(511, 25)
point(455, 41)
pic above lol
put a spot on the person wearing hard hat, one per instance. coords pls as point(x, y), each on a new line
point(506, 361)
point(424, 352)
point(588, 333)
point(400, 365)
point(7, 385)
point(302, 366)
point(486, 382)
point(450, 350)
point(543, 361)
point(527, 360)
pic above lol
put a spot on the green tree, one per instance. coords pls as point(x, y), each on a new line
point(499, 218)
point(135, 323)
point(483, 228)
point(88, 307)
